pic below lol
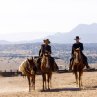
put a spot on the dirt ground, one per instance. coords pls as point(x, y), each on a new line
point(63, 85)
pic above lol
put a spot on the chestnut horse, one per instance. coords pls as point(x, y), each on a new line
point(46, 70)
point(78, 66)
point(27, 69)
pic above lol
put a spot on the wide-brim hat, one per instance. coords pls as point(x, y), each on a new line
point(77, 37)
point(47, 41)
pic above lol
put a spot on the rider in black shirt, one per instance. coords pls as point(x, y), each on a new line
point(76, 46)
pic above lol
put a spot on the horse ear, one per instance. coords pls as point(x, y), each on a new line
point(27, 59)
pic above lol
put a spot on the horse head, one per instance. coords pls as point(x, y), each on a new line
point(45, 60)
point(31, 64)
point(77, 55)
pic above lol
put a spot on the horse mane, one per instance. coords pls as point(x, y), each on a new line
point(26, 65)
point(77, 56)
point(43, 61)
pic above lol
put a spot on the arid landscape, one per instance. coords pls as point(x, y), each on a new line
point(40, 30)
point(63, 85)
point(12, 55)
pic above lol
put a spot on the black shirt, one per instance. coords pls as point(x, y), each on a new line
point(45, 48)
point(77, 45)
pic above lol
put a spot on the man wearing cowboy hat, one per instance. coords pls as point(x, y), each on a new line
point(76, 46)
point(45, 48)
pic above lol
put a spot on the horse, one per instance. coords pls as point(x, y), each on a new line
point(78, 66)
point(46, 70)
point(27, 69)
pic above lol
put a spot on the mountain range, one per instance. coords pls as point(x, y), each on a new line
point(87, 33)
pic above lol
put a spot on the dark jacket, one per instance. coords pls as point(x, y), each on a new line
point(77, 45)
point(45, 48)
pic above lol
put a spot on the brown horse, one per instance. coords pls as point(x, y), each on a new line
point(46, 70)
point(78, 66)
point(27, 69)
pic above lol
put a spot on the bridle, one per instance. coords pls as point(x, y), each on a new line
point(77, 56)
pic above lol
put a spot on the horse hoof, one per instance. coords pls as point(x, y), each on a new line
point(43, 90)
point(82, 88)
point(48, 88)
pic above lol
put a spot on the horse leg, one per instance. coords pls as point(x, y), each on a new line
point(76, 77)
point(33, 82)
point(44, 81)
point(80, 79)
point(48, 80)
point(28, 77)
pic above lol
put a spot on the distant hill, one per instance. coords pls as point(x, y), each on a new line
point(18, 42)
point(87, 33)
point(4, 42)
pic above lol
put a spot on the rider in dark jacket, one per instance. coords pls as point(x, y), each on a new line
point(46, 48)
point(77, 45)
point(80, 46)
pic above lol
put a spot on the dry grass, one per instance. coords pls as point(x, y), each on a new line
point(63, 85)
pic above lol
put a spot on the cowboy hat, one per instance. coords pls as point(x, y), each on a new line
point(46, 40)
point(77, 37)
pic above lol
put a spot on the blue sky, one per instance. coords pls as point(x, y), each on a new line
point(34, 19)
